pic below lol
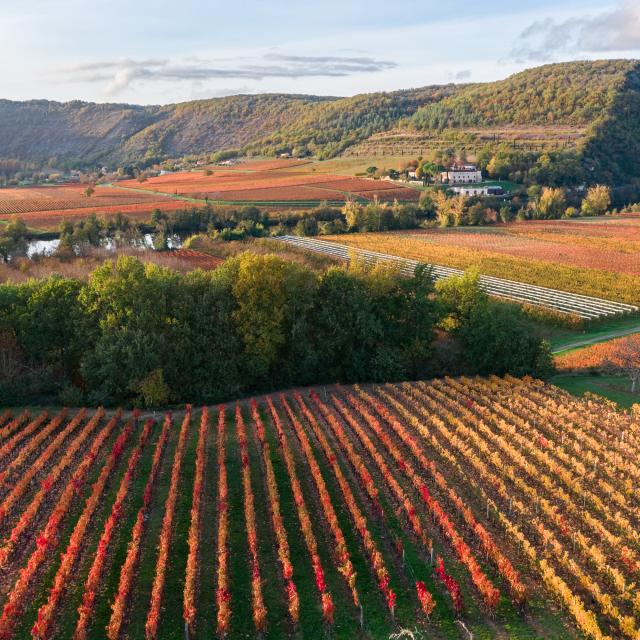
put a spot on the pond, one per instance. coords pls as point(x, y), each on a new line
point(49, 247)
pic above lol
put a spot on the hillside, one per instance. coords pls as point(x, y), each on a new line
point(114, 133)
point(590, 108)
point(587, 108)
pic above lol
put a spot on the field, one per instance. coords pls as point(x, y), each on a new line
point(408, 143)
point(270, 182)
point(613, 387)
point(571, 309)
point(608, 244)
point(597, 356)
point(441, 506)
point(45, 207)
point(596, 257)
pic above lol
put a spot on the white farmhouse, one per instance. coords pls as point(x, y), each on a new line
point(462, 174)
point(478, 190)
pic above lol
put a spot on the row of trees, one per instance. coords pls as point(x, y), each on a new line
point(540, 204)
point(136, 331)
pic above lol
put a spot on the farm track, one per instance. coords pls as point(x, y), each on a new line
point(585, 307)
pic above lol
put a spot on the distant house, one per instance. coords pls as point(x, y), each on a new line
point(411, 174)
point(461, 174)
point(471, 190)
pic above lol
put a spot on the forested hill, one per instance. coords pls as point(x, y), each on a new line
point(600, 97)
point(575, 93)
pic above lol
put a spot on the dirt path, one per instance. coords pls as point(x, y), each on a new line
point(605, 337)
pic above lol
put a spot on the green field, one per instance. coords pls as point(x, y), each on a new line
point(615, 388)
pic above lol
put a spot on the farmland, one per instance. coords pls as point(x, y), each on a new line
point(358, 510)
point(45, 207)
point(270, 182)
point(585, 257)
point(574, 308)
point(597, 356)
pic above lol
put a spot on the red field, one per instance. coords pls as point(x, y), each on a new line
point(611, 244)
point(45, 207)
point(263, 182)
point(196, 259)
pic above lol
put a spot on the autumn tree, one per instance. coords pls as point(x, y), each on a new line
point(597, 201)
point(552, 203)
point(625, 356)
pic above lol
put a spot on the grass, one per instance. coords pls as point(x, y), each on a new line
point(352, 165)
point(612, 387)
point(564, 339)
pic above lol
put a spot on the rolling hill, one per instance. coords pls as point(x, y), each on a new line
point(588, 107)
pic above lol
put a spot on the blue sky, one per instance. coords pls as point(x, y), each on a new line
point(162, 52)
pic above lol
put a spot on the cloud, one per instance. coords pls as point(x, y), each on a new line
point(118, 75)
point(614, 30)
point(463, 74)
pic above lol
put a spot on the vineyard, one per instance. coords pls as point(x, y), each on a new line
point(561, 302)
point(278, 182)
point(45, 207)
point(558, 261)
point(457, 507)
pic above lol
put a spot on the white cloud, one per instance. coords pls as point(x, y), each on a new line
point(616, 30)
point(118, 75)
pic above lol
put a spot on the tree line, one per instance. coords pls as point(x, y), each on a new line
point(142, 334)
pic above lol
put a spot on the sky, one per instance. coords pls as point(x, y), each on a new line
point(158, 52)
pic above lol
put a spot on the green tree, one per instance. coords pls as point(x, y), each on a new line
point(499, 338)
point(459, 296)
point(153, 389)
point(13, 239)
point(271, 298)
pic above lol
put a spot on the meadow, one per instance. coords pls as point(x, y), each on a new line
point(349, 512)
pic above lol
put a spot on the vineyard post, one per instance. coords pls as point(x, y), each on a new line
point(361, 616)
point(186, 630)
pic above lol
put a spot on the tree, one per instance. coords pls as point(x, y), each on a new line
point(13, 239)
point(271, 297)
point(307, 226)
point(154, 391)
point(499, 338)
point(442, 208)
point(352, 212)
point(89, 191)
point(552, 203)
point(625, 356)
point(597, 201)
point(371, 170)
point(459, 295)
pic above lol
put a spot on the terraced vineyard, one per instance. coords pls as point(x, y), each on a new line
point(493, 507)
point(585, 307)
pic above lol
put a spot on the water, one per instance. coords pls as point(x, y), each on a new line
point(49, 247)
